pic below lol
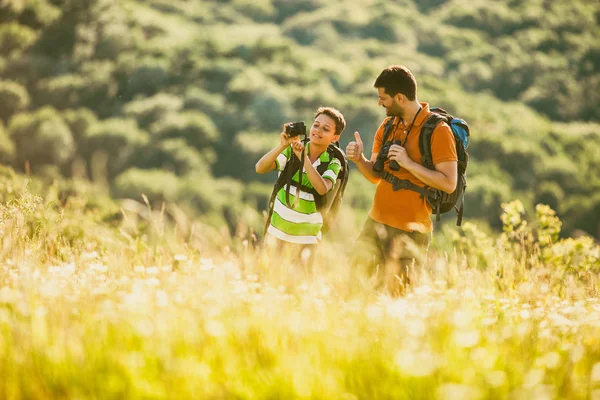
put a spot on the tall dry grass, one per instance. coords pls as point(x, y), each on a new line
point(158, 306)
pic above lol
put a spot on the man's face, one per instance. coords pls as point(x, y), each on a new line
point(322, 130)
point(391, 104)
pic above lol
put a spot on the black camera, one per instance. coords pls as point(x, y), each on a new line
point(294, 129)
point(382, 156)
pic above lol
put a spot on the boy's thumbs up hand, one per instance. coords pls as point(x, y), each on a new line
point(354, 150)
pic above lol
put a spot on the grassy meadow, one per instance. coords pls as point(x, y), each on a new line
point(147, 304)
point(167, 296)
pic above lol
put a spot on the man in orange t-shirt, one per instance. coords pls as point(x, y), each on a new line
point(398, 228)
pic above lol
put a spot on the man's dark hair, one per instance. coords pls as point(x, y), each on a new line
point(336, 115)
point(397, 79)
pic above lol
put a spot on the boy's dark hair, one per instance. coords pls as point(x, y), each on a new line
point(397, 79)
point(336, 115)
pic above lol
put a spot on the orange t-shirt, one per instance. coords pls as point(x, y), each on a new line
point(405, 209)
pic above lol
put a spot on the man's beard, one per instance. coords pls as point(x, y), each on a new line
point(396, 112)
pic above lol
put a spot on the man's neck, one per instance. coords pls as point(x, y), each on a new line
point(411, 111)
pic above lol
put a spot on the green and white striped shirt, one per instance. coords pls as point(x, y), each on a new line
point(302, 224)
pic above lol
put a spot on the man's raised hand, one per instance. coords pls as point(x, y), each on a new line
point(354, 150)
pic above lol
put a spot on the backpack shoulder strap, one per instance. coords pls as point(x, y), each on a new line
point(324, 201)
point(285, 177)
point(334, 152)
point(389, 126)
point(332, 200)
point(425, 139)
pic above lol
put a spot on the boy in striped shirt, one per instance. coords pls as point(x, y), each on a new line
point(299, 221)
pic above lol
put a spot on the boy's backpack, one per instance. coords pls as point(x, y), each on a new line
point(327, 204)
point(442, 202)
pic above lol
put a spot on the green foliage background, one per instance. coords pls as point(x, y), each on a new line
point(178, 99)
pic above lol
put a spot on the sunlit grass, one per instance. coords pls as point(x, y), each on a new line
point(151, 310)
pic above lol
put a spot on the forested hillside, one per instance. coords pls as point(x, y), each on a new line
point(178, 99)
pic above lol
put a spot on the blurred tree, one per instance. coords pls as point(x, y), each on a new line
point(29, 68)
point(216, 75)
point(494, 18)
point(362, 115)
point(114, 140)
point(13, 98)
point(60, 36)
point(582, 213)
point(196, 128)
point(11, 9)
point(40, 138)
point(200, 100)
point(149, 77)
point(158, 185)
point(39, 13)
point(213, 81)
point(551, 194)
point(63, 91)
point(286, 8)
point(258, 10)
point(150, 110)
point(15, 37)
point(93, 88)
point(248, 147)
point(257, 195)
point(80, 121)
point(484, 197)
point(7, 147)
point(428, 6)
point(200, 192)
point(173, 155)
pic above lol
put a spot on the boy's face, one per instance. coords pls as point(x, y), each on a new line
point(322, 130)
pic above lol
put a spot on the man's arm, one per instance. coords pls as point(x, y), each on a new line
point(443, 178)
point(354, 152)
point(445, 175)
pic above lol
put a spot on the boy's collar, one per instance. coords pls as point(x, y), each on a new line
point(324, 153)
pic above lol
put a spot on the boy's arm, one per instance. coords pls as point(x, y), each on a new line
point(267, 162)
point(320, 184)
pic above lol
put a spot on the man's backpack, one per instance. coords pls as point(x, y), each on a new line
point(442, 202)
point(327, 204)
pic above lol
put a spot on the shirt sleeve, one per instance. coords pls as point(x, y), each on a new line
point(283, 158)
point(332, 171)
point(443, 146)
